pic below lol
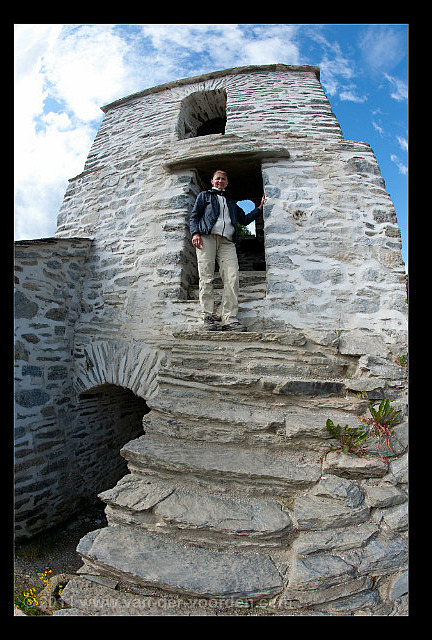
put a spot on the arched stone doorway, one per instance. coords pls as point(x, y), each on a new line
point(108, 416)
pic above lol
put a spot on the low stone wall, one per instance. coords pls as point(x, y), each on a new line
point(66, 446)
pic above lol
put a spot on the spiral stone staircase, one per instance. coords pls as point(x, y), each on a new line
point(230, 500)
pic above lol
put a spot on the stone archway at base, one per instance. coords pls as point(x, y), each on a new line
point(109, 416)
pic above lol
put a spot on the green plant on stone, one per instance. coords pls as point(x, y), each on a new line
point(350, 438)
point(402, 360)
point(381, 426)
point(385, 416)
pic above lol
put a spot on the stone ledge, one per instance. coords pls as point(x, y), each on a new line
point(220, 462)
point(147, 560)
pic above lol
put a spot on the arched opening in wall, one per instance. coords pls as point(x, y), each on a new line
point(202, 113)
point(109, 417)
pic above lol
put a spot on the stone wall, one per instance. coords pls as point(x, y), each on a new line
point(331, 240)
point(108, 326)
point(66, 446)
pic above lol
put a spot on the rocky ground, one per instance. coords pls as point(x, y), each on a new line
point(54, 550)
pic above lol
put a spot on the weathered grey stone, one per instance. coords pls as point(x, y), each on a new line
point(56, 313)
point(364, 601)
point(108, 327)
point(316, 387)
point(238, 517)
point(348, 465)
point(383, 554)
point(321, 513)
point(142, 501)
point(383, 495)
point(399, 585)
point(340, 488)
point(331, 595)
point(398, 470)
point(20, 351)
point(351, 537)
point(319, 571)
point(24, 307)
point(135, 494)
point(148, 560)
point(87, 598)
point(396, 518)
point(31, 371)
point(357, 343)
point(219, 462)
point(31, 398)
point(57, 372)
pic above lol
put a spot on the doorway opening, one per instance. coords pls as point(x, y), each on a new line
point(109, 416)
point(245, 186)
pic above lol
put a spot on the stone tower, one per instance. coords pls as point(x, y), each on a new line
point(226, 493)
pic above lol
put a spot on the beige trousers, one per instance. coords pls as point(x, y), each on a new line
point(218, 248)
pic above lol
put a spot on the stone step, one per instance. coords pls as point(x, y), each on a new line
point(200, 377)
point(288, 424)
point(184, 384)
point(164, 507)
point(253, 286)
point(210, 430)
point(186, 314)
point(195, 357)
point(228, 465)
point(195, 366)
point(262, 338)
point(210, 408)
point(141, 559)
point(246, 278)
point(253, 345)
point(85, 597)
point(246, 294)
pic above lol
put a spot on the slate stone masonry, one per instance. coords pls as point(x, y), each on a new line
point(114, 375)
point(60, 438)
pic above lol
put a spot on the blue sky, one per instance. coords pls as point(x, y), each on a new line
point(64, 73)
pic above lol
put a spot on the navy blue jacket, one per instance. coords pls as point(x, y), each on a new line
point(206, 211)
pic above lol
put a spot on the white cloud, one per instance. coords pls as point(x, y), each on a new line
point(335, 66)
point(332, 70)
point(402, 168)
point(270, 50)
point(86, 67)
point(378, 127)
point(400, 89)
point(403, 143)
point(81, 68)
point(382, 46)
point(221, 45)
point(34, 187)
point(350, 96)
